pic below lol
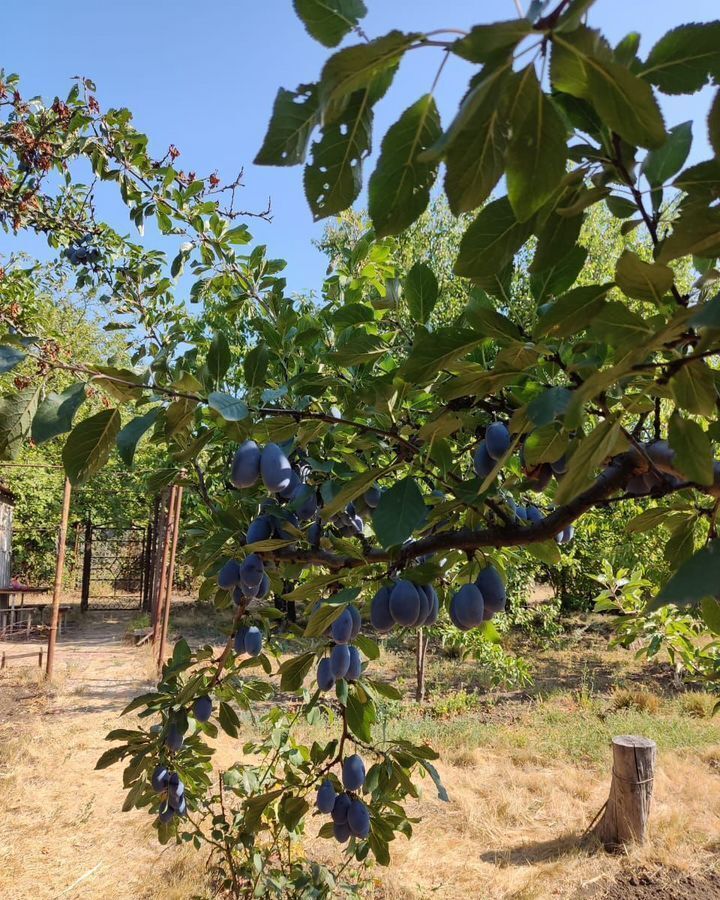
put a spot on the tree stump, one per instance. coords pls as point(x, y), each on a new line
point(628, 806)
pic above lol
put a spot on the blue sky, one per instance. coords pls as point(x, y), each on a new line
point(204, 75)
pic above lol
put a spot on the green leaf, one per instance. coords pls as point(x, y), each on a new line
point(129, 436)
point(603, 441)
point(538, 149)
point(649, 520)
point(492, 240)
point(560, 276)
point(294, 670)
point(693, 389)
point(624, 102)
point(546, 444)
point(476, 142)
point(661, 164)
point(573, 311)
point(693, 450)
point(482, 42)
point(696, 231)
point(695, 579)
point(55, 414)
point(322, 618)
point(328, 21)
point(255, 365)
point(641, 280)
point(711, 613)
point(547, 552)
point(400, 511)
point(355, 68)
point(227, 717)
point(230, 408)
point(399, 188)
point(352, 489)
point(548, 405)
point(89, 445)
point(367, 646)
point(9, 358)
point(714, 124)
point(621, 207)
point(294, 116)
point(361, 717)
point(433, 773)
point(557, 238)
point(433, 351)
point(683, 60)
point(491, 323)
point(359, 348)
point(619, 326)
point(16, 415)
point(218, 358)
point(421, 291)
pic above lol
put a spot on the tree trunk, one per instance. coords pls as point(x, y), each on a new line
point(628, 806)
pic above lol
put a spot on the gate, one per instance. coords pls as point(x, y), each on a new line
point(116, 566)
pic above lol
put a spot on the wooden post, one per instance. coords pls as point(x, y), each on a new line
point(420, 648)
point(161, 570)
point(627, 809)
point(57, 587)
point(2, 661)
point(87, 567)
point(162, 545)
point(40, 656)
point(170, 574)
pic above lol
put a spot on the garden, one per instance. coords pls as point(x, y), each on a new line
point(403, 583)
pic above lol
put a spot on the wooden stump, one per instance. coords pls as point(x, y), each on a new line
point(628, 806)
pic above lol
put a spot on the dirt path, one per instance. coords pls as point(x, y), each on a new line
point(62, 833)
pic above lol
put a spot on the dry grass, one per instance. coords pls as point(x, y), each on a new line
point(525, 778)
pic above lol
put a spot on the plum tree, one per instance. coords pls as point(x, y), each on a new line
point(408, 442)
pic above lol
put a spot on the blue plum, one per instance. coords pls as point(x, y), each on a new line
point(483, 463)
point(246, 465)
point(353, 773)
point(174, 737)
point(202, 708)
point(325, 679)
point(339, 660)
point(492, 588)
point(341, 629)
point(253, 641)
point(342, 832)
point(372, 496)
point(229, 575)
point(469, 606)
point(260, 529)
point(404, 603)
point(340, 809)
point(358, 819)
point(325, 800)
point(275, 469)
point(380, 615)
point(355, 668)
point(159, 778)
point(497, 440)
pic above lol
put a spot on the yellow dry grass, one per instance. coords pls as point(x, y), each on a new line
point(520, 796)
